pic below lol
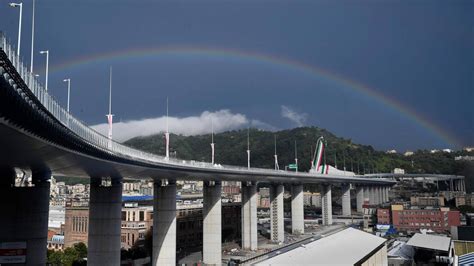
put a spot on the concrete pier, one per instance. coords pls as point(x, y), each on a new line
point(164, 223)
point(346, 199)
point(371, 195)
point(105, 209)
point(297, 209)
point(212, 223)
point(360, 198)
point(24, 219)
point(326, 204)
point(249, 216)
point(380, 195)
point(277, 233)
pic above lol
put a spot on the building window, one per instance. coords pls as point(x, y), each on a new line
point(142, 216)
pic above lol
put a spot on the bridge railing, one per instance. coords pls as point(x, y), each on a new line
point(81, 129)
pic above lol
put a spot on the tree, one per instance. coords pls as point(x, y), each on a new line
point(55, 258)
point(71, 256)
point(81, 249)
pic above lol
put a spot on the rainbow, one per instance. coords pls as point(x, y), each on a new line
point(234, 54)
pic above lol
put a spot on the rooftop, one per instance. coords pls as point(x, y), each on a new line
point(435, 242)
point(343, 248)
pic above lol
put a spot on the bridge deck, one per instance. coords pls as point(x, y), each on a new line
point(37, 133)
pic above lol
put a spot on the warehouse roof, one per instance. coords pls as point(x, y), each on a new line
point(344, 248)
point(435, 242)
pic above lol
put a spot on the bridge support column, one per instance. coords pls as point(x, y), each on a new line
point(297, 209)
point(212, 223)
point(326, 204)
point(25, 215)
point(249, 216)
point(346, 199)
point(360, 198)
point(105, 209)
point(378, 199)
point(276, 213)
point(371, 190)
point(380, 194)
point(164, 223)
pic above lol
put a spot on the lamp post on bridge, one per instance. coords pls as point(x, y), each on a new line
point(68, 92)
point(212, 142)
point(32, 36)
point(296, 157)
point(277, 167)
point(20, 5)
point(248, 148)
point(167, 133)
point(47, 67)
point(110, 116)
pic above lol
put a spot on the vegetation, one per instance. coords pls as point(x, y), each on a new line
point(68, 180)
point(231, 149)
point(72, 256)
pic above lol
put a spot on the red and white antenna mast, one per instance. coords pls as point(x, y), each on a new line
point(110, 115)
point(212, 142)
point(167, 134)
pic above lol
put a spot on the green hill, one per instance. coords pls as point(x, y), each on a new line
point(231, 149)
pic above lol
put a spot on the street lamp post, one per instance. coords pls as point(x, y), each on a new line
point(47, 67)
point(68, 92)
point(32, 37)
point(20, 5)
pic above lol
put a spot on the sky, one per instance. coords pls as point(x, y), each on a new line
point(392, 74)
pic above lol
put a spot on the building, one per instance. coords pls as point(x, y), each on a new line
point(369, 216)
point(230, 188)
point(408, 153)
point(336, 249)
point(263, 198)
point(312, 199)
point(463, 252)
point(400, 254)
point(136, 221)
point(431, 249)
point(398, 171)
point(56, 242)
point(383, 216)
point(467, 199)
point(427, 201)
point(449, 195)
point(189, 224)
point(465, 233)
point(76, 225)
point(413, 219)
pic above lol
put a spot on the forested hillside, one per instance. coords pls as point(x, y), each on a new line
point(231, 149)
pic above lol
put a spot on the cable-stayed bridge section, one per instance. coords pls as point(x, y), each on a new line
point(38, 135)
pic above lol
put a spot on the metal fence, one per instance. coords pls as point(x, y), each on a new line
point(88, 134)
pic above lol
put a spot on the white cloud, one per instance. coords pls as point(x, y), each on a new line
point(298, 118)
point(223, 120)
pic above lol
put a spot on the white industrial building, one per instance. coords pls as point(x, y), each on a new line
point(348, 247)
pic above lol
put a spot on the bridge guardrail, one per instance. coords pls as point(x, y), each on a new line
point(85, 132)
point(94, 137)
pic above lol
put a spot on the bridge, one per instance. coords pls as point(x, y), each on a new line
point(39, 136)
